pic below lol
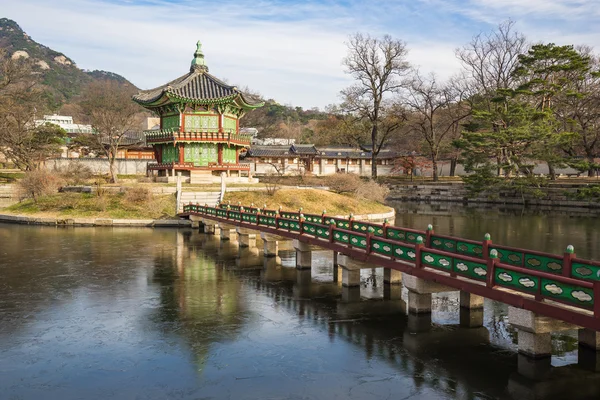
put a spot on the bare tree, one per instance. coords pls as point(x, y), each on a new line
point(22, 141)
point(488, 62)
point(377, 64)
point(437, 109)
point(111, 112)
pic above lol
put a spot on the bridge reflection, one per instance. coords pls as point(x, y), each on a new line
point(454, 357)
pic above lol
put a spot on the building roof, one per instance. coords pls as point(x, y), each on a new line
point(319, 152)
point(197, 86)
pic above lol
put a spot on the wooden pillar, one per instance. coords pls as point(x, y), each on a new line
point(181, 153)
point(237, 155)
point(220, 153)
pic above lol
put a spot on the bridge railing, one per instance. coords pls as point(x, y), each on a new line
point(548, 277)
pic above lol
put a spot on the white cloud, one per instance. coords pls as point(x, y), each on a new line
point(289, 51)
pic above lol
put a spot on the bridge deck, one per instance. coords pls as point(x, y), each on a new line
point(558, 286)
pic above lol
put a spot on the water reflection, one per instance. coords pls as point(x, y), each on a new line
point(111, 313)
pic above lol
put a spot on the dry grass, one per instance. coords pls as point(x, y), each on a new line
point(129, 205)
point(312, 201)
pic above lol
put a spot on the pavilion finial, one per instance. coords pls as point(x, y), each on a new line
point(198, 61)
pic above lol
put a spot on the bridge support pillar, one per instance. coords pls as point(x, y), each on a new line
point(534, 331)
point(470, 301)
point(227, 232)
point(246, 237)
point(211, 227)
point(392, 292)
point(350, 277)
point(303, 254)
point(471, 317)
point(304, 276)
point(271, 244)
point(392, 277)
point(350, 294)
point(423, 286)
point(419, 303)
point(590, 339)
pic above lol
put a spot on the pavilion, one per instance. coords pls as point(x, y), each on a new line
point(199, 136)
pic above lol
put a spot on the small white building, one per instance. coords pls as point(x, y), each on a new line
point(65, 122)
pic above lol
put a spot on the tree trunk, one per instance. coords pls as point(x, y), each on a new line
point(551, 171)
point(591, 171)
point(373, 152)
point(435, 169)
point(113, 169)
point(453, 162)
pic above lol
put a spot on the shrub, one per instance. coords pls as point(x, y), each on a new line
point(357, 186)
point(343, 183)
point(75, 173)
point(38, 183)
point(372, 190)
point(138, 195)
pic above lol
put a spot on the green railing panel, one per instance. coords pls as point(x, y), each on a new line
point(396, 234)
point(360, 227)
point(323, 232)
point(295, 226)
point(516, 280)
point(572, 294)
point(585, 271)
point(234, 215)
point(309, 228)
point(358, 241)
point(340, 237)
point(470, 269)
point(436, 260)
point(289, 215)
point(378, 246)
point(404, 252)
point(378, 231)
point(283, 224)
point(552, 265)
point(272, 221)
point(443, 244)
point(508, 256)
point(343, 224)
point(313, 218)
point(404, 236)
point(263, 220)
point(469, 249)
point(252, 218)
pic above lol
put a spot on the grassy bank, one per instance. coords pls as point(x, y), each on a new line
point(311, 200)
point(127, 205)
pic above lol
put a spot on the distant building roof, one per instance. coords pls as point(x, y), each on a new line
point(319, 152)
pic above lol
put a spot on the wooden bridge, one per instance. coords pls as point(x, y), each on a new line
point(546, 292)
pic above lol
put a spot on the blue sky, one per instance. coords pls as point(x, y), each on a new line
point(288, 50)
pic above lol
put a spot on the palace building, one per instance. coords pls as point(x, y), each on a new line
point(199, 135)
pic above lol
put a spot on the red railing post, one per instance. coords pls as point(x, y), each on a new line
point(301, 221)
point(385, 226)
point(323, 217)
point(485, 246)
point(428, 234)
point(568, 261)
point(418, 247)
point(369, 236)
point(491, 268)
point(330, 233)
point(597, 299)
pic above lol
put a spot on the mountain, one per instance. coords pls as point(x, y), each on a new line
point(61, 76)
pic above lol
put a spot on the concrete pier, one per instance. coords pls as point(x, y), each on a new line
point(211, 227)
point(419, 293)
point(271, 244)
point(350, 277)
point(246, 237)
point(392, 277)
point(303, 254)
point(470, 301)
point(228, 232)
point(534, 331)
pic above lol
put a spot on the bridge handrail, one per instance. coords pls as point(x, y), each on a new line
point(577, 290)
point(564, 265)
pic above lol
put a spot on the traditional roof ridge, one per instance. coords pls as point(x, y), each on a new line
point(198, 86)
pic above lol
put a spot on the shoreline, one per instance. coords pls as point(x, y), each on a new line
point(142, 223)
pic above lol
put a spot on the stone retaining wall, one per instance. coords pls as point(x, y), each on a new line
point(554, 195)
point(61, 221)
